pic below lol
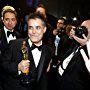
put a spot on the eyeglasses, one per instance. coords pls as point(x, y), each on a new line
point(60, 23)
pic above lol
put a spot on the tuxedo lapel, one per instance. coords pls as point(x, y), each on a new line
point(41, 63)
point(71, 63)
point(3, 41)
point(4, 36)
point(17, 34)
point(30, 57)
point(32, 63)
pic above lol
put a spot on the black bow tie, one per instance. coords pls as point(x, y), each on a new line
point(38, 47)
point(8, 33)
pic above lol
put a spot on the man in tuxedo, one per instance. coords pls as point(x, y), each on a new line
point(7, 33)
point(39, 56)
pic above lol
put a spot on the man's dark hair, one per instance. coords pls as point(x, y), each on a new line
point(37, 15)
point(42, 6)
point(61, 18)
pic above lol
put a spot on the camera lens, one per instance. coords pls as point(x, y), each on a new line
point(79, 31)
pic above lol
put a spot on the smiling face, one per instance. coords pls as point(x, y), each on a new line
point(9, 20)
point(36, 29)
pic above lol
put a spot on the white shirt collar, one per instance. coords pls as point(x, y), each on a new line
point(10, 37)
point(5, 29)
point(30, 43)
point(36, 53)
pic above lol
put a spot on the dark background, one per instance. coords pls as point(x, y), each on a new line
point(57, 8)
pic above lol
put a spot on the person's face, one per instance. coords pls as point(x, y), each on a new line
point(41, 10)
point(55, 31)
point(9, 20)
point(36, 29)
point(60, 24)
point(72, 31)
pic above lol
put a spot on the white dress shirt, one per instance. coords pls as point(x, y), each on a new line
point(36, 53)
point(66, 62)
point(57, 40)
point(10, 36)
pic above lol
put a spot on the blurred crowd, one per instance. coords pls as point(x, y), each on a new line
point(69, 66)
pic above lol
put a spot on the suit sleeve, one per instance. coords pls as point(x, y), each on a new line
point(10, 59)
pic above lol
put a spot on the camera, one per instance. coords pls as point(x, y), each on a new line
point(79, 31)
point(61, 31)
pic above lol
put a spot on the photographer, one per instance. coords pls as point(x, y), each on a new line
point(66, 42)
point(72, 73)
point(79, 35)
point(59, 32)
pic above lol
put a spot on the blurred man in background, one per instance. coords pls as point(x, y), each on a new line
point(7, 33)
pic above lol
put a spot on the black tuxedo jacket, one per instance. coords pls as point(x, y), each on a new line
point(3, 46)
point(66, 45)
point(10, 62)
point(75, 76)
point(3, 39)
